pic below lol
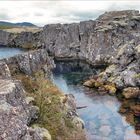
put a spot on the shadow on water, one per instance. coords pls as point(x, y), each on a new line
point(101, 117)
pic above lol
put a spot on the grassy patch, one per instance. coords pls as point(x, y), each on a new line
point(53, 112)
point(22, 29)
point(5, 27)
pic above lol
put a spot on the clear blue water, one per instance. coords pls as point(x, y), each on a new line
point(101, 117)
point(9, 52)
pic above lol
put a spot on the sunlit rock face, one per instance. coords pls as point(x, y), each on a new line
point(111, 39)
point(96, 41)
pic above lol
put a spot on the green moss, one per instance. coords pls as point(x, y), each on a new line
point(138, 75)
point(28, 46)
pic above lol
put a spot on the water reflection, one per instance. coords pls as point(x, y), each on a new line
point(9, 52)
point(102, 120)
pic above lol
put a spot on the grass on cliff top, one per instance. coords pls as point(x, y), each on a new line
point(53, 112)
point(2, 27)
point(22, 29)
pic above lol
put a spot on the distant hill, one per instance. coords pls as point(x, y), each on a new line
point(22, 24)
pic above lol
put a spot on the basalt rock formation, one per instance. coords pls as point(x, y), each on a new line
point(21, 112)
point(95, 41)
point(30, 62)
point(112, 40)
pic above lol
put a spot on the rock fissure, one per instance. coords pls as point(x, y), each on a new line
point(111, 39)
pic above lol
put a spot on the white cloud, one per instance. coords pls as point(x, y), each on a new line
point(45, 12)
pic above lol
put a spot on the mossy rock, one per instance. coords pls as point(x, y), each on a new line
point(93, 83)
point(131, 92)
point(98, 84)
point(111, 88)
point(111, 69)
point(138, 75)
point(123, 48)
point(42, 132)
point(89, 83)
point(28, 46)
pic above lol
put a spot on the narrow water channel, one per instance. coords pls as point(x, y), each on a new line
point(101, 117)
point(6, 52)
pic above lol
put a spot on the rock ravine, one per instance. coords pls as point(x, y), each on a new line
point(113, 40)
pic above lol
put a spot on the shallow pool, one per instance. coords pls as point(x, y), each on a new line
point(101, 117)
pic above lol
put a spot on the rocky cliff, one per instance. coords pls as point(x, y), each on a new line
point(96, 41)
point(30, 62)
point(113, 39)
point(15, 113)
point(31, 108)
point(25, 39)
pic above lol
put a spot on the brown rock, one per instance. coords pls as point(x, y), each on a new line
point(89, 83)
point(110, 88)
point(131, 92)
point(136, 109)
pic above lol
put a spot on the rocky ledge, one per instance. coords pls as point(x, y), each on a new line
point(122, 74)
point(112, 40)
point(31, 108)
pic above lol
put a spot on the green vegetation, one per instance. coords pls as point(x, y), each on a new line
point(51, 102)
point(138, 75)
point(28, 46)
point(5, 27)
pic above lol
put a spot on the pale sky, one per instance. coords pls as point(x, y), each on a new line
point(46, 12)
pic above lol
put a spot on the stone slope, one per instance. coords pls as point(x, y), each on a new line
point(15, 114)
point(19, 117)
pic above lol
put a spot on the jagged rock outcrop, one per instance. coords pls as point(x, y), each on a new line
point(15, 114)
point(17, 110)
point(30, 62)
point(96, 41)
point(27, 40)
point(112, 39)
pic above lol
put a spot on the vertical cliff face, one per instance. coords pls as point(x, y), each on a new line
point(4, 37)
point(96, 41)
point(62, 40)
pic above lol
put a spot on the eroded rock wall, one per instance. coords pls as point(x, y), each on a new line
point(4, 37)
point(96, 41)
point(30, 62)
